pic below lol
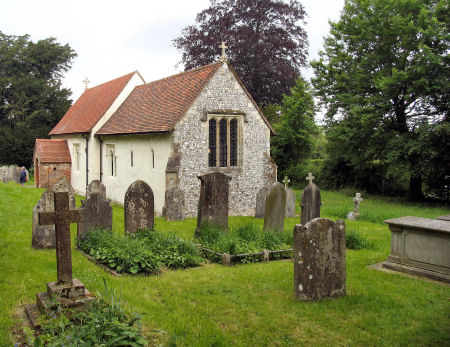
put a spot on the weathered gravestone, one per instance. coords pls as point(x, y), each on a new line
point(139, 207)
point(4, 174)
point(355, 213)
point(67, 291)
point(311, 201)
point(213, 200)
point(174, 203)
point(290, 203)
point(319, 259)
point(97, 212)
point(43, 236)
point(14, 173)
point(261, 202)
point(275, 208)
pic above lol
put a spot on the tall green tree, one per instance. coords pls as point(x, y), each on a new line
point(267, 44)
point(384, 79)
point(32, 99)
point(296, 131)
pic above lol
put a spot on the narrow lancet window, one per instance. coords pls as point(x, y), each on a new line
point(223, 142)
point(212, 143)
point(233, 142)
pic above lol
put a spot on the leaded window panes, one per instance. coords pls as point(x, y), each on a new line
point(233, 142)
point(212, 143)
point(223, 142)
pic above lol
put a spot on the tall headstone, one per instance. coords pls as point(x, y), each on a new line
point(139, 207)
point(213, 200)
point(174, 204)
point(319, 260)
point(261, 202)
point(43, 236)
point(14, 173)
point(311, 201)
point(275, 208)
point(97, 211)
point(290, 202)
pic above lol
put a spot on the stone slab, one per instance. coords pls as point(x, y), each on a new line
point(438, 225)
point(63, 290)
point(45, 302)
point(415, 271)
point(444, 217)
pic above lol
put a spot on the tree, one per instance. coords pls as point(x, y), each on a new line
point(267, 44)
point(383, 77)
point(32, 99)
point(295, 133)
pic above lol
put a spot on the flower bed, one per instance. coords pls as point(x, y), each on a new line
point(146, 251)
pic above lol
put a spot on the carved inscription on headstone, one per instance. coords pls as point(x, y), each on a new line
point(275, 208)
point(97, 212)
point(319, 259)
point(213, 200)
point(139, 207)
point(311, 202)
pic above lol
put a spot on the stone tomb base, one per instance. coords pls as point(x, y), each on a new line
point(63, 295)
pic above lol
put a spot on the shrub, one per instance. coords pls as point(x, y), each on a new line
point(355, 240)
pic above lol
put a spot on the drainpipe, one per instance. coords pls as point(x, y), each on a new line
point(87, 160)
point(101, 158)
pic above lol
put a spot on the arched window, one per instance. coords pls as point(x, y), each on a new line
point(153, 159)
point(223, 142)
point(233, 142)
point(212, 143)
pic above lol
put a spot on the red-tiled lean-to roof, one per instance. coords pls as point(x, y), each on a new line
point(159, 105)
point(90, 107)
point(52, 151)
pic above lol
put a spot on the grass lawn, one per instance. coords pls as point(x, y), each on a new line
point(243, 305)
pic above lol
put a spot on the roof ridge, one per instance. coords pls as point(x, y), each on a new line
point(114, 79)
point(177, 74)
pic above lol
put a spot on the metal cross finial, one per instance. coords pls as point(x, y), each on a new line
point(86, 82)
point(310, 178)
point(223, 47)
point(286, 181)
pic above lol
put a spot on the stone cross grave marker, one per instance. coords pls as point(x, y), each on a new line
point(261, 201)
point(286, 181)
point(213, 200)
point(357, 200)
point(319, 260)
point(311, 201)
point(97, 211)
point(275, 208)
point(139, 207)
point(61, 218)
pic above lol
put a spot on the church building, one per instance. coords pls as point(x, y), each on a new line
point(169, 132)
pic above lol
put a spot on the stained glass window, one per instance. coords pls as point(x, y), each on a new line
point(223, 142)
point(233, 142)
point(212, 143)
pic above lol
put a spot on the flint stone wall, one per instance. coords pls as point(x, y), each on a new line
point(223, 93)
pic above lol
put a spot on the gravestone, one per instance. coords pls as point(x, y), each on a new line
point(355, 213)
point(43, 236)
point(174, 204)
point(97, 211)
point(4, 174)
point(319, 259)
point(213, 200)
point(261, 202)
point(311, 201)
point(139, 206)
point(66, 291)
point(14, 173)
point(290, 203)
point(275, 208)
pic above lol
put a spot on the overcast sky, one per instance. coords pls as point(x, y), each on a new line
point(113, 38)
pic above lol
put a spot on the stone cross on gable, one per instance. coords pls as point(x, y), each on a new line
point(286, 181)
point(357, 199)
point(223, 47)
point(310, 178)
point(61, 217)
point(86, 82)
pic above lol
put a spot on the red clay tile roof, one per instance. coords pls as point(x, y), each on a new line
point(159, 105)
point(51, 151)
point(90, 107)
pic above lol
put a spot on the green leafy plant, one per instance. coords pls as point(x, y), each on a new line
point(355, 240)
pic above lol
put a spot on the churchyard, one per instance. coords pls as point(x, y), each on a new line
point(245, 304)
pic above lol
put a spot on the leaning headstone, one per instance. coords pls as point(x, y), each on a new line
point(213, 200)
point(275, 208)
point(290, 203)
point(355, 213)
point(174, 204)
point(43, 236)
point(97, 211)
point(66, 291)
point(311, 201)
point(319, 259)
point(139, 207)
point(261, 202)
